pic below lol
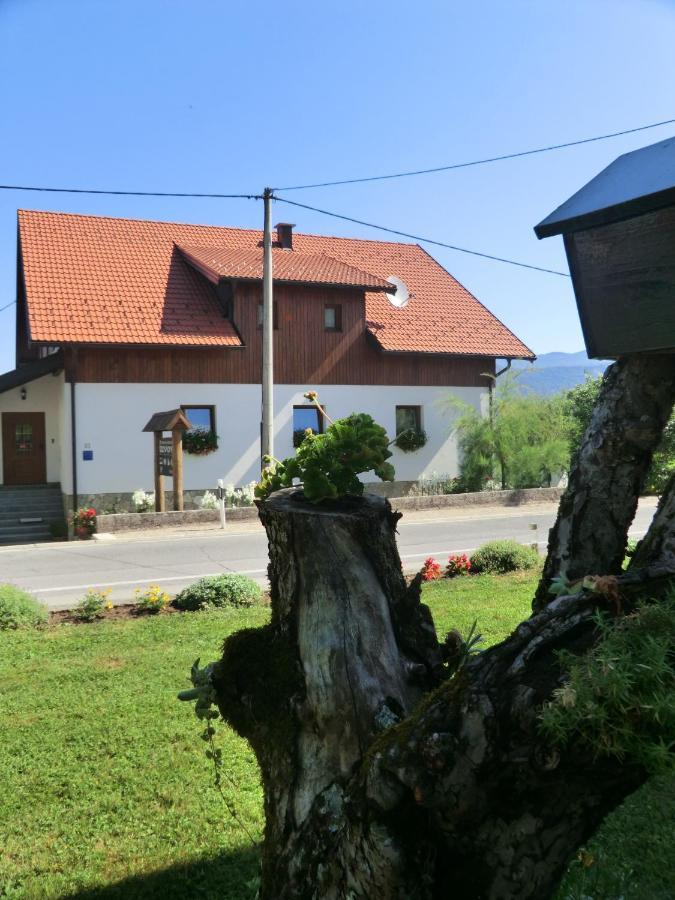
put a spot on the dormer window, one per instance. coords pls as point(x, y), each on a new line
point(225, 295)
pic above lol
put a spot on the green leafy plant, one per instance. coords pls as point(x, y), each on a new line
point(92, 605)
point(458, 564)
point(19, 610)
point(151, 600)
point(327, 465)
point(218, 591)
point(619, 699)
point(411, 439)
point(206, 709)
point(498, 557)
point(200, 442)
point(58, 530)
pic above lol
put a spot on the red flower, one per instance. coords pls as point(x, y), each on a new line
point(458, 564)
point(431, 570)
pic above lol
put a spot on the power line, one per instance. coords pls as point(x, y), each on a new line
point(477, 162)
point(57, 190)
point(422, 240)
point(7, 306)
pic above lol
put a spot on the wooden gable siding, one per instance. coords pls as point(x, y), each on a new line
point(304, 352)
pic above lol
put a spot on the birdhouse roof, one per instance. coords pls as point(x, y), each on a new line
point(634, 184)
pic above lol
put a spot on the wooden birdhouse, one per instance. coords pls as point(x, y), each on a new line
point(168, 454)
point(619, 233)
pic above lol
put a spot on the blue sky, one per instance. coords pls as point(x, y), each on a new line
point(194, 95)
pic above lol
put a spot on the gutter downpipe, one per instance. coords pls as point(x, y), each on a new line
point(73, 439)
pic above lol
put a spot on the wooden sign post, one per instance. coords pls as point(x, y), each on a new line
point(168, 454)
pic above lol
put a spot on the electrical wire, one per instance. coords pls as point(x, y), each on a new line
point(422, 240)
point(477, 162)
point(7, 306)
point(57, 190)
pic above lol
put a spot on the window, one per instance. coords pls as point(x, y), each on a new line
point(274, 316)
point(332, 318)
point(23, 440)
point(202, 418)
point(306, 417)
point(225, 297)
point(408, 418)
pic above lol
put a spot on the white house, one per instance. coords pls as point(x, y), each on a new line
point(118, 319)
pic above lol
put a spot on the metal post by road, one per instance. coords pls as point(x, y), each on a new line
point(267, 431)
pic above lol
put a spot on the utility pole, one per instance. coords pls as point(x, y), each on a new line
point(267, 429)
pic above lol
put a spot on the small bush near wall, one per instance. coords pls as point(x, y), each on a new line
point(497, 557)
point(19, 610)
point(438, 483)
point(219, 590)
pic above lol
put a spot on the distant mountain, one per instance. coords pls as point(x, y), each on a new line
point(555, 372)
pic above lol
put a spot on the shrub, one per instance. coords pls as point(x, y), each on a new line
point(458, 564)
point(208, 500)
point(91, 606)
point(431, 570)
point(619, 699)
point(143, 500)
point(58, 530)
point(497, 557)
point(219, 590)
point(243, 496)
point(152, 600)
point(19, 610)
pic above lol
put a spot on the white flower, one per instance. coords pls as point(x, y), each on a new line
point(208, 501)
point(142, 500)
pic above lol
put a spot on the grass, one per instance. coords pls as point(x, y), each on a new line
point(105, 791)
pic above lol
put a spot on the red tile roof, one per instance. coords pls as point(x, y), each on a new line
point(289, 267)
point(92, 279)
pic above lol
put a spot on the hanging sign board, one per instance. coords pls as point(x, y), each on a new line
point(165, 451)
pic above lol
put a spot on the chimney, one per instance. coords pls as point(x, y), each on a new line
point(285, 235)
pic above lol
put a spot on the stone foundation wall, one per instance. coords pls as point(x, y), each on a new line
point(136, 521)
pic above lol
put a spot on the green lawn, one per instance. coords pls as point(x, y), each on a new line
point(105, 790)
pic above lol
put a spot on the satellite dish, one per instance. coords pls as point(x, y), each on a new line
point(400, 295)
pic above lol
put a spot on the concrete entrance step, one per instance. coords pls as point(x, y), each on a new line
point(27, 511)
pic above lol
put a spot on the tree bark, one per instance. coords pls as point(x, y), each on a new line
point(589, 536)
point(396, 768)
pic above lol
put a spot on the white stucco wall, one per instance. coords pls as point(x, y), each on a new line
point(110, 419)
point(42, 395)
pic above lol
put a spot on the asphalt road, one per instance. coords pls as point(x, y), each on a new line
point(59, 574)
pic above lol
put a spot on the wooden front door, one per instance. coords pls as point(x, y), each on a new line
point(23, 448)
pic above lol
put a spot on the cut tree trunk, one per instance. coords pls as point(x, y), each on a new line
point(371, 793)
point(590, 533)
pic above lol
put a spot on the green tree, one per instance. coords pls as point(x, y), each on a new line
point(522, 442)
point(578, 403)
